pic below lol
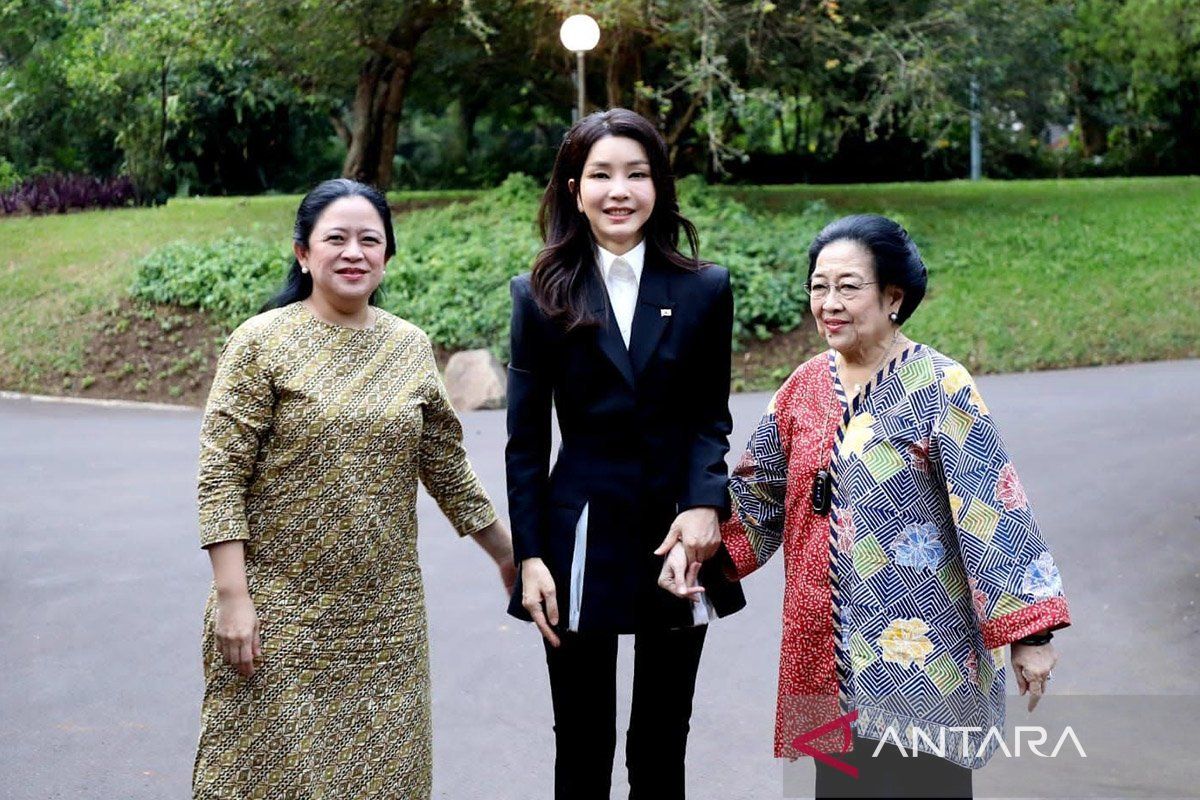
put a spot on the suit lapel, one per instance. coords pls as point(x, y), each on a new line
point(608, 334)
point(652, 314)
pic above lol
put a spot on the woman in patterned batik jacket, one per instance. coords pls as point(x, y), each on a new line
point(904, 586)
point(324, 413)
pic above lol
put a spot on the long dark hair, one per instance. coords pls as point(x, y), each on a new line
point(559, 271)
point(298, 284)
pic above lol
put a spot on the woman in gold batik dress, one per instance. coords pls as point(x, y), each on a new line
point(324, 413)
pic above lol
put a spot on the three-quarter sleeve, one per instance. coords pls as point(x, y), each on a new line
point(443, 466)
point(237, 419)
point(758, 489)
point(1015, 585)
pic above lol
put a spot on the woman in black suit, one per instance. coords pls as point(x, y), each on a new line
point(629, 339)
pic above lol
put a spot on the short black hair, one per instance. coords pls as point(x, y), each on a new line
point(895, 257)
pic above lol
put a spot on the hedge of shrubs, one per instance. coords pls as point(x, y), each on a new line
point(56, 193)
point(453, 263)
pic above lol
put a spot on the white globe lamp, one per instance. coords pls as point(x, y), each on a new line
point(579, 34)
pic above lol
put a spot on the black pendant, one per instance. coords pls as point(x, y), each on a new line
point(822, 491)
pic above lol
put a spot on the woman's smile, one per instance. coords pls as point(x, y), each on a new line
point(353, 274)
point(618, 214)
point(834, 325)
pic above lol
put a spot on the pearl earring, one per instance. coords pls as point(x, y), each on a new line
point(304, 270)
point(893, 316)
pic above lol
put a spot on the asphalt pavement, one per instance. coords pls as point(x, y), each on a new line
point(102, 586)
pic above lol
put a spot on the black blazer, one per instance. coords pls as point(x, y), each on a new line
point(644, 432)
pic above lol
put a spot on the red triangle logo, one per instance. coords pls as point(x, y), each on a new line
point(843, 722)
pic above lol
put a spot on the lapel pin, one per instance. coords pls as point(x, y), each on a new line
point(664, 312)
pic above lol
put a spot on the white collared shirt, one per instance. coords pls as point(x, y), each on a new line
point(622, 278)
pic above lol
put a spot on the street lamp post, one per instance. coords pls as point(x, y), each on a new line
point(976, 149)
point(579, 33)
point(580, 98)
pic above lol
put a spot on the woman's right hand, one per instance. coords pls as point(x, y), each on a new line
point(537, 589)
point(236, 627)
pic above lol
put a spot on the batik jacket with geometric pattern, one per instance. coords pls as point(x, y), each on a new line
point(901, 600)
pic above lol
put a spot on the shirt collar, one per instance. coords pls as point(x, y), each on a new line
point(636, 258)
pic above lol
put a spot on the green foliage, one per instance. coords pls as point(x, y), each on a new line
point(452, 266)
point(766, 255)
point(175, 94)
point(249, 130)
point(444, 148)
point(243, 96)
point(44, 125)
point(1031, 275)
point(1023, 275)
point(9, 177)
point(1136, 69)
point(226, 278)
point(129, 65)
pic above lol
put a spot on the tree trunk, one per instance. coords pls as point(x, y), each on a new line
point(641, 102)
point(1093, 133)
point(340, 127)
point(389, 122)
point(379, 97)
point(162, 128)
point(361, 115)
point(800, 128)
point(467, 110)
point(612, 78)
point(681, 127)
point(470, 115)
point(624, 72)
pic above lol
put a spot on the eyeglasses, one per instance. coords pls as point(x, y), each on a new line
point(846, 290)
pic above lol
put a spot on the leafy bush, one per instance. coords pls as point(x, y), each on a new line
point(230, 278)
point(453, 263)
point(9, 177)
point(57, 193)
point(766, 255)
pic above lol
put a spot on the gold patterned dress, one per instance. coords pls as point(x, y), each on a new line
point(314, 438)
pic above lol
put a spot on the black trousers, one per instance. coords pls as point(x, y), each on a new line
point(583, 689)
point(892, 774)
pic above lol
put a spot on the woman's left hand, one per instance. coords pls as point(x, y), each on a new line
point(1032, 665)
point(699, 529)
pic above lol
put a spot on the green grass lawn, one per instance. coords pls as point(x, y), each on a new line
point(1028, 275)
point(1023, 275)
point(57, 270)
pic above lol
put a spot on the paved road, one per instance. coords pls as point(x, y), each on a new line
point(102, 587)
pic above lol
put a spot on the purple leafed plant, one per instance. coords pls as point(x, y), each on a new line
point(58, 193)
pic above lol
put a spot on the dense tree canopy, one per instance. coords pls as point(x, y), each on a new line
point(242, 96)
